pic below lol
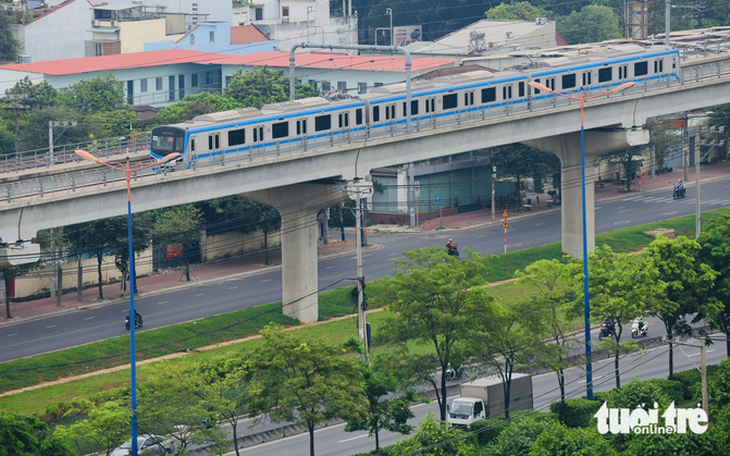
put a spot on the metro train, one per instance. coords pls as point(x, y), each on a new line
point(309, 122)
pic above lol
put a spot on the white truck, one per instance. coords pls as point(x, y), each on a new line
point(484, 398)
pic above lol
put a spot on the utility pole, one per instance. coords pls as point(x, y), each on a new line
point(51, 124)
point(494, 177)
point(703, 351)
point(698, 209)
point(685, 147)
point(667, 21)
point(357, 191)
point(59, 269)
point(80, 270)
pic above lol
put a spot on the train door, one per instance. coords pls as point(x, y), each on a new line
point(214, 145)
point(258, 136)
point(430, 109)
point(389, 116)
point(343, 121)
point(192, 156)
point(302, 131)
point(587, 79)
point(623, 72)
point(468, 101)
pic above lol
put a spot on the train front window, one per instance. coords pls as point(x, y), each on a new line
point(167, 141)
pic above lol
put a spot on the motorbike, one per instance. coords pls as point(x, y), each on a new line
point(454, 251)
point(638, 330)
point(137, 321)
point(679, 192)
point(606, 332)
point(453, 372)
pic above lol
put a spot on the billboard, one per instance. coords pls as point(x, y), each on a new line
point(407, 34)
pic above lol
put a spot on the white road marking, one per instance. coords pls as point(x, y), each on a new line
point(396, 259)
point(330, 267)
point(51, 326)
point(197, 295)
point(706, 351)
point(13, 334)
point(624, 222)
point(483, 235)
point(626, 210)
point(162, 302)
point(540, 224)
point(669, 213)
point(89, 318)
point(353, 438)
point(267, 280)
point(233, 288)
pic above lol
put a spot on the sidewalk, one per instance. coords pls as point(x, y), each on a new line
point(171, 279)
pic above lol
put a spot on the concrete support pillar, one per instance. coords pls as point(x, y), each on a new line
point(567, 148)
point(298, 206)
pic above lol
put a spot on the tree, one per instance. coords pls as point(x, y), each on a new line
point(258, 87)
point(556, 290)
point(9, 45)
point(687, 286)
point(565, 441)
point(432, 301)
point(715, 252)
point(106, 427)
point(170, 406)
point(621, 287)
point(101, 94)
point(592, 24)
point(509, 339)
point(518, 11)
point(196, 104)
point(34, 131)
point(222, 383)
point(665, 139)
point(305, 381)
point(23, 435)
point(438, 437)
point(520, 433)
point(518, 161)
point(178, 225)
point(630, 159)
point(389, 406)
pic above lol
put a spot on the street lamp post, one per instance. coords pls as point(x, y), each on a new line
point(586, 303)
point(128, 169)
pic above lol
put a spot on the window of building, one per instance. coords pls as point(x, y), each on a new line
point(158, 84)
point(171, 88)
point(342, 86)
point(236, 137)
point(181, 85)
point(194, 80)
point(378, 84)
point(326, 86)
point(192, 38)
point(362, 87)
point(259, 14)
point(143, 85)
point(211, 36)
point(280, 130)
point(322, 123)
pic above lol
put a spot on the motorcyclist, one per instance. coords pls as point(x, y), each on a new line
point(680, 186)
point(640, 321)
point(608, 323)
point(451, 246)
point(137, 317)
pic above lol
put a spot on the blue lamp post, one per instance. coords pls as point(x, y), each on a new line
point(586, 303)
point(128, 169)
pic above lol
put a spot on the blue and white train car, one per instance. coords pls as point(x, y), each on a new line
point(305, 123)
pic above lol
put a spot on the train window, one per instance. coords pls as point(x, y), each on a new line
point(192, 145)
point(236, 137)
point(568, 81)
point(387, 113)
point(347, 119)
point(302, 127)
point(392, 111)
point(214, 142)
point(550, 83)
point(605, 74)
point(261, 133)
point(210, 142)
point(376, 113)
point(358, 116)
point(471, 98)
point(450, 101)
point(217, 141)
point(344, 120)
point(641, 68)
point(466, 99)
point(340, 119)
point(658, 66)
point(280, 130)
point(489, 94)
point(536, 90)
point(322, 123)
point(255, 135)
point(587, 78)
point(521, 89)
point(428, 106)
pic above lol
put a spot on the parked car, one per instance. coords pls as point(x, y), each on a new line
point(147, 444)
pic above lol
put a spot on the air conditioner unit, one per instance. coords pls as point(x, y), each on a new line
point(96, 23)
point(115, 23)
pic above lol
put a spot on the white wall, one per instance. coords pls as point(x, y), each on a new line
point(59, 35)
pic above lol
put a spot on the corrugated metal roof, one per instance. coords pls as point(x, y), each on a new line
point(114, 62)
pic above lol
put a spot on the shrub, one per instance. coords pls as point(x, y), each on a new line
point(579, 412)
point(486, 430)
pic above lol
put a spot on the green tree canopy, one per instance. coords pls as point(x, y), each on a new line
point(9, 45)
point(22, 435)
point(196, 104)
point(565, 441)
point(438, 437)
point(89, 96)
point(517, 11)
point(715, 252)
point(631, 159)
point(259, 87)
point(179, 224)
point(304, 381)
point(592, 24)
point(433, 301)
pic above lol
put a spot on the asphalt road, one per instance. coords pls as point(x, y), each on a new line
point(28, 338)
point(334, 441)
